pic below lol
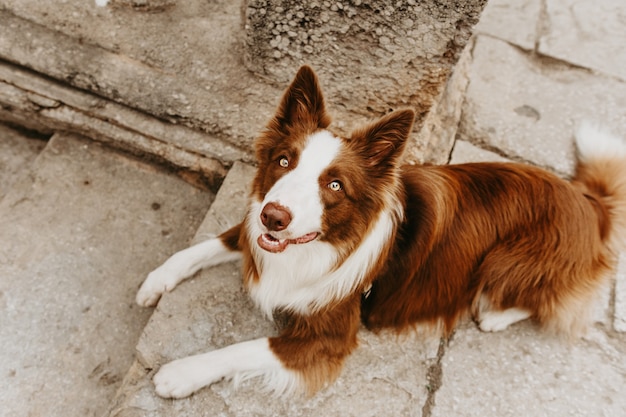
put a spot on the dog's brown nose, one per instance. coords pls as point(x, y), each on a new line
point(275, 217)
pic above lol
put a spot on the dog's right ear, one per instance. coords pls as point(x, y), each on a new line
point(302, 105)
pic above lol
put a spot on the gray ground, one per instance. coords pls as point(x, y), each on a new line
point(78, 231)
point(80, 226)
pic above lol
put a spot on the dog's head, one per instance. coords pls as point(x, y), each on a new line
point(312, 185)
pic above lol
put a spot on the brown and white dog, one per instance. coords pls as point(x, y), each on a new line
point(338, 232)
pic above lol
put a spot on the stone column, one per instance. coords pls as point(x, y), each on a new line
point(372, 55)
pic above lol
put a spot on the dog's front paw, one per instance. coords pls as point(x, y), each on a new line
point(181, 378)
point(158, 281)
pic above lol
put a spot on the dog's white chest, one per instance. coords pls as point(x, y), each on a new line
point(297, 279)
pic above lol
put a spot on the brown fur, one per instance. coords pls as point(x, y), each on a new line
point(317, 345)
point(517, 234)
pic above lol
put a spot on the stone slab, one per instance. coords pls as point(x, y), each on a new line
point(524, 372)
point(386, 376)
point(515, 22)
point(591, 34)
point(585, 34)
point(182, 65)
point(76, 237)
point(17, 152)
point(528, 106)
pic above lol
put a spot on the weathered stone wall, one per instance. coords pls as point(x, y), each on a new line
point(373, 55)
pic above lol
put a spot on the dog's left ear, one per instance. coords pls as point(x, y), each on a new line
point(382, 142)
point(302, 105)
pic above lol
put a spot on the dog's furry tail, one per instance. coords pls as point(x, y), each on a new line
point(602, 172)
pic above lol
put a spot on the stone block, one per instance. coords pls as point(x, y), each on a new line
point(513, 21)
point(174, 328)
point(76, 237)
point(522, 371)
point(151, 6)
point(375, 55)
point(528, 106)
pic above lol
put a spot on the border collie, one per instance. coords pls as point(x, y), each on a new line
point(338, 232)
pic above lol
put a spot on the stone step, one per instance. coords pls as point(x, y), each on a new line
point(169, 84)
point(173, 83)
point(77, 236)
point(210, 311)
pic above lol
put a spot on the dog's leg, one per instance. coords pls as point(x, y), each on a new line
point(186, 263)
point(308, 354)
point(183, 377)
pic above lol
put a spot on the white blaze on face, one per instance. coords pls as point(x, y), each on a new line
point(299, 191)
point(306, 277)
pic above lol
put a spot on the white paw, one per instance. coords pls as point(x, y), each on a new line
point(495, 321)
point(492, 322)
point(181, 378)
point(158, 281)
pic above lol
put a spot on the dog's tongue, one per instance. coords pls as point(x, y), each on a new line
point(271, 244)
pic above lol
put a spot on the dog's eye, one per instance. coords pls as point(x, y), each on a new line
point(335, 186)
point(283, 162)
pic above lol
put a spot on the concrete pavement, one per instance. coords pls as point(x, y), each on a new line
point(79, 229)
point(17, 151)
point(521, 104)
point(534, 69)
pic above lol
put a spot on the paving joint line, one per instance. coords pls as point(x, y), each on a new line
point(434, 378)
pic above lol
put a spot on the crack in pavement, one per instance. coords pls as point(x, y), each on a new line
point(434, 378)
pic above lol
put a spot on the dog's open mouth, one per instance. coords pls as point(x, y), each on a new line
point(271, 244)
